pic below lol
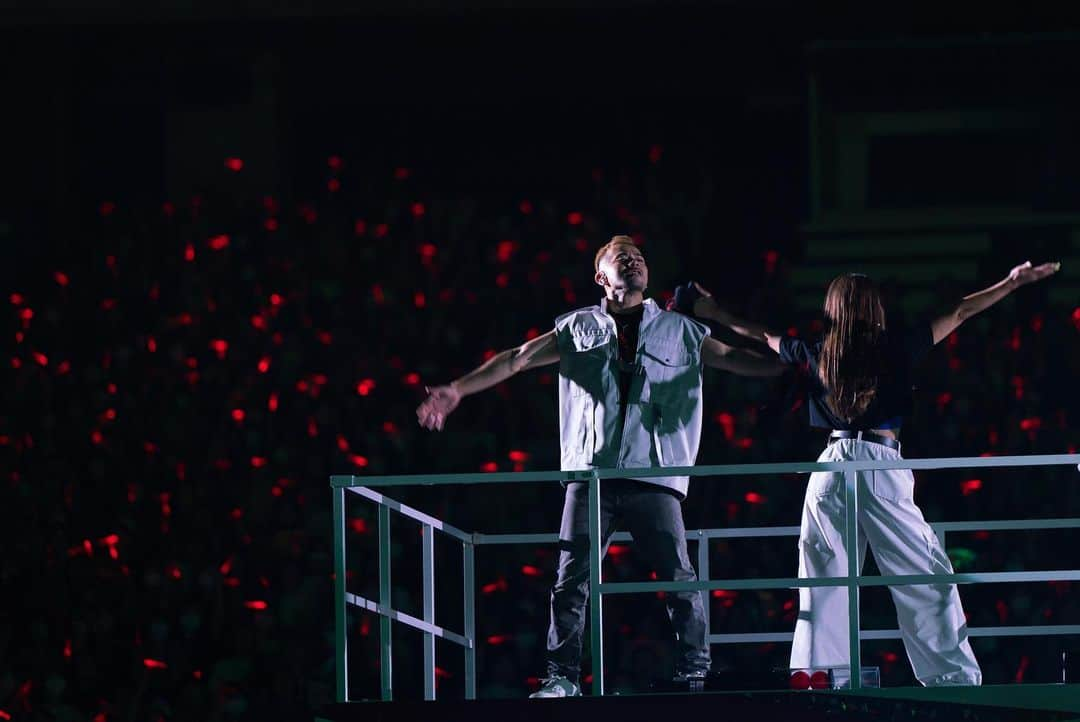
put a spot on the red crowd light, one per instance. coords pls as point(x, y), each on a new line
point(496, 586)
point(505, 251)
point(1033, 423)
point(727, 424)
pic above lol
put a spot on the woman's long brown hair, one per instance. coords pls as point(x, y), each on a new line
point(852, 357)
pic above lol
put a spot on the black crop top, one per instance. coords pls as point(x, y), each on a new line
point(906, 348)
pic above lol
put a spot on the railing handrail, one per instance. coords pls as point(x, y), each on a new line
point(792, 467)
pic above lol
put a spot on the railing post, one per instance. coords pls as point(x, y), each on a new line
point(851, 542)
point(341, 641)
point(429, 610)
point(596, 599)
point(703, 575)
point(468, 554)
point(386, 658)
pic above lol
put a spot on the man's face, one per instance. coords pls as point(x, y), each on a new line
point(623, 268)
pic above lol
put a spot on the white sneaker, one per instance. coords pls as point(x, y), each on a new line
point(557, 686)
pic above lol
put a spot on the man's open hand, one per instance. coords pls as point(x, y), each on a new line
point(441, 401)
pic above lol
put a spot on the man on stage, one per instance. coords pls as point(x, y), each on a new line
point(629, 397)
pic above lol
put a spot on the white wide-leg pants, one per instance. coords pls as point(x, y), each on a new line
point(930, 617)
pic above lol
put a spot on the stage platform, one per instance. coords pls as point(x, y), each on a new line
point(991, 703)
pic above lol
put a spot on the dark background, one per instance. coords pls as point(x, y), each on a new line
point(718, 134)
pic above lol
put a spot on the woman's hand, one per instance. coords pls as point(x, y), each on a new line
point(1025, 273)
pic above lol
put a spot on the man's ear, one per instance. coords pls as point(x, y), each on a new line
point(601, 279)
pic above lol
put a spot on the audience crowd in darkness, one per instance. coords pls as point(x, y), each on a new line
point(183, 379)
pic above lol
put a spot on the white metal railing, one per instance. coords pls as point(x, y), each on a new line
point(365, 487)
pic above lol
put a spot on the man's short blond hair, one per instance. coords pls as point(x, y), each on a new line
point(615, 241)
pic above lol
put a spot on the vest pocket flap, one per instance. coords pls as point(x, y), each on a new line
point(589, 341)
point(668, 354)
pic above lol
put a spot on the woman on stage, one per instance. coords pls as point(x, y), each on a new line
point(861, 389)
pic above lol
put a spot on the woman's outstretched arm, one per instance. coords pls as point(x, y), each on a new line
point(972, 304)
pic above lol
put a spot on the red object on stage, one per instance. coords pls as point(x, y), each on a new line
point(799, 680)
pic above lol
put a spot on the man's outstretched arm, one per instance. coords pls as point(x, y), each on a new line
point(442, 400)
point(739, 361)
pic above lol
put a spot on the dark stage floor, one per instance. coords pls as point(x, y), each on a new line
point(1000, 703)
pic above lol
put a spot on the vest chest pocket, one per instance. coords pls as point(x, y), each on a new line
point(584, 362)
point(669, 369)
point(591, 342)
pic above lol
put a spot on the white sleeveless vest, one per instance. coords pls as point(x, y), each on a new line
point(663, 411)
